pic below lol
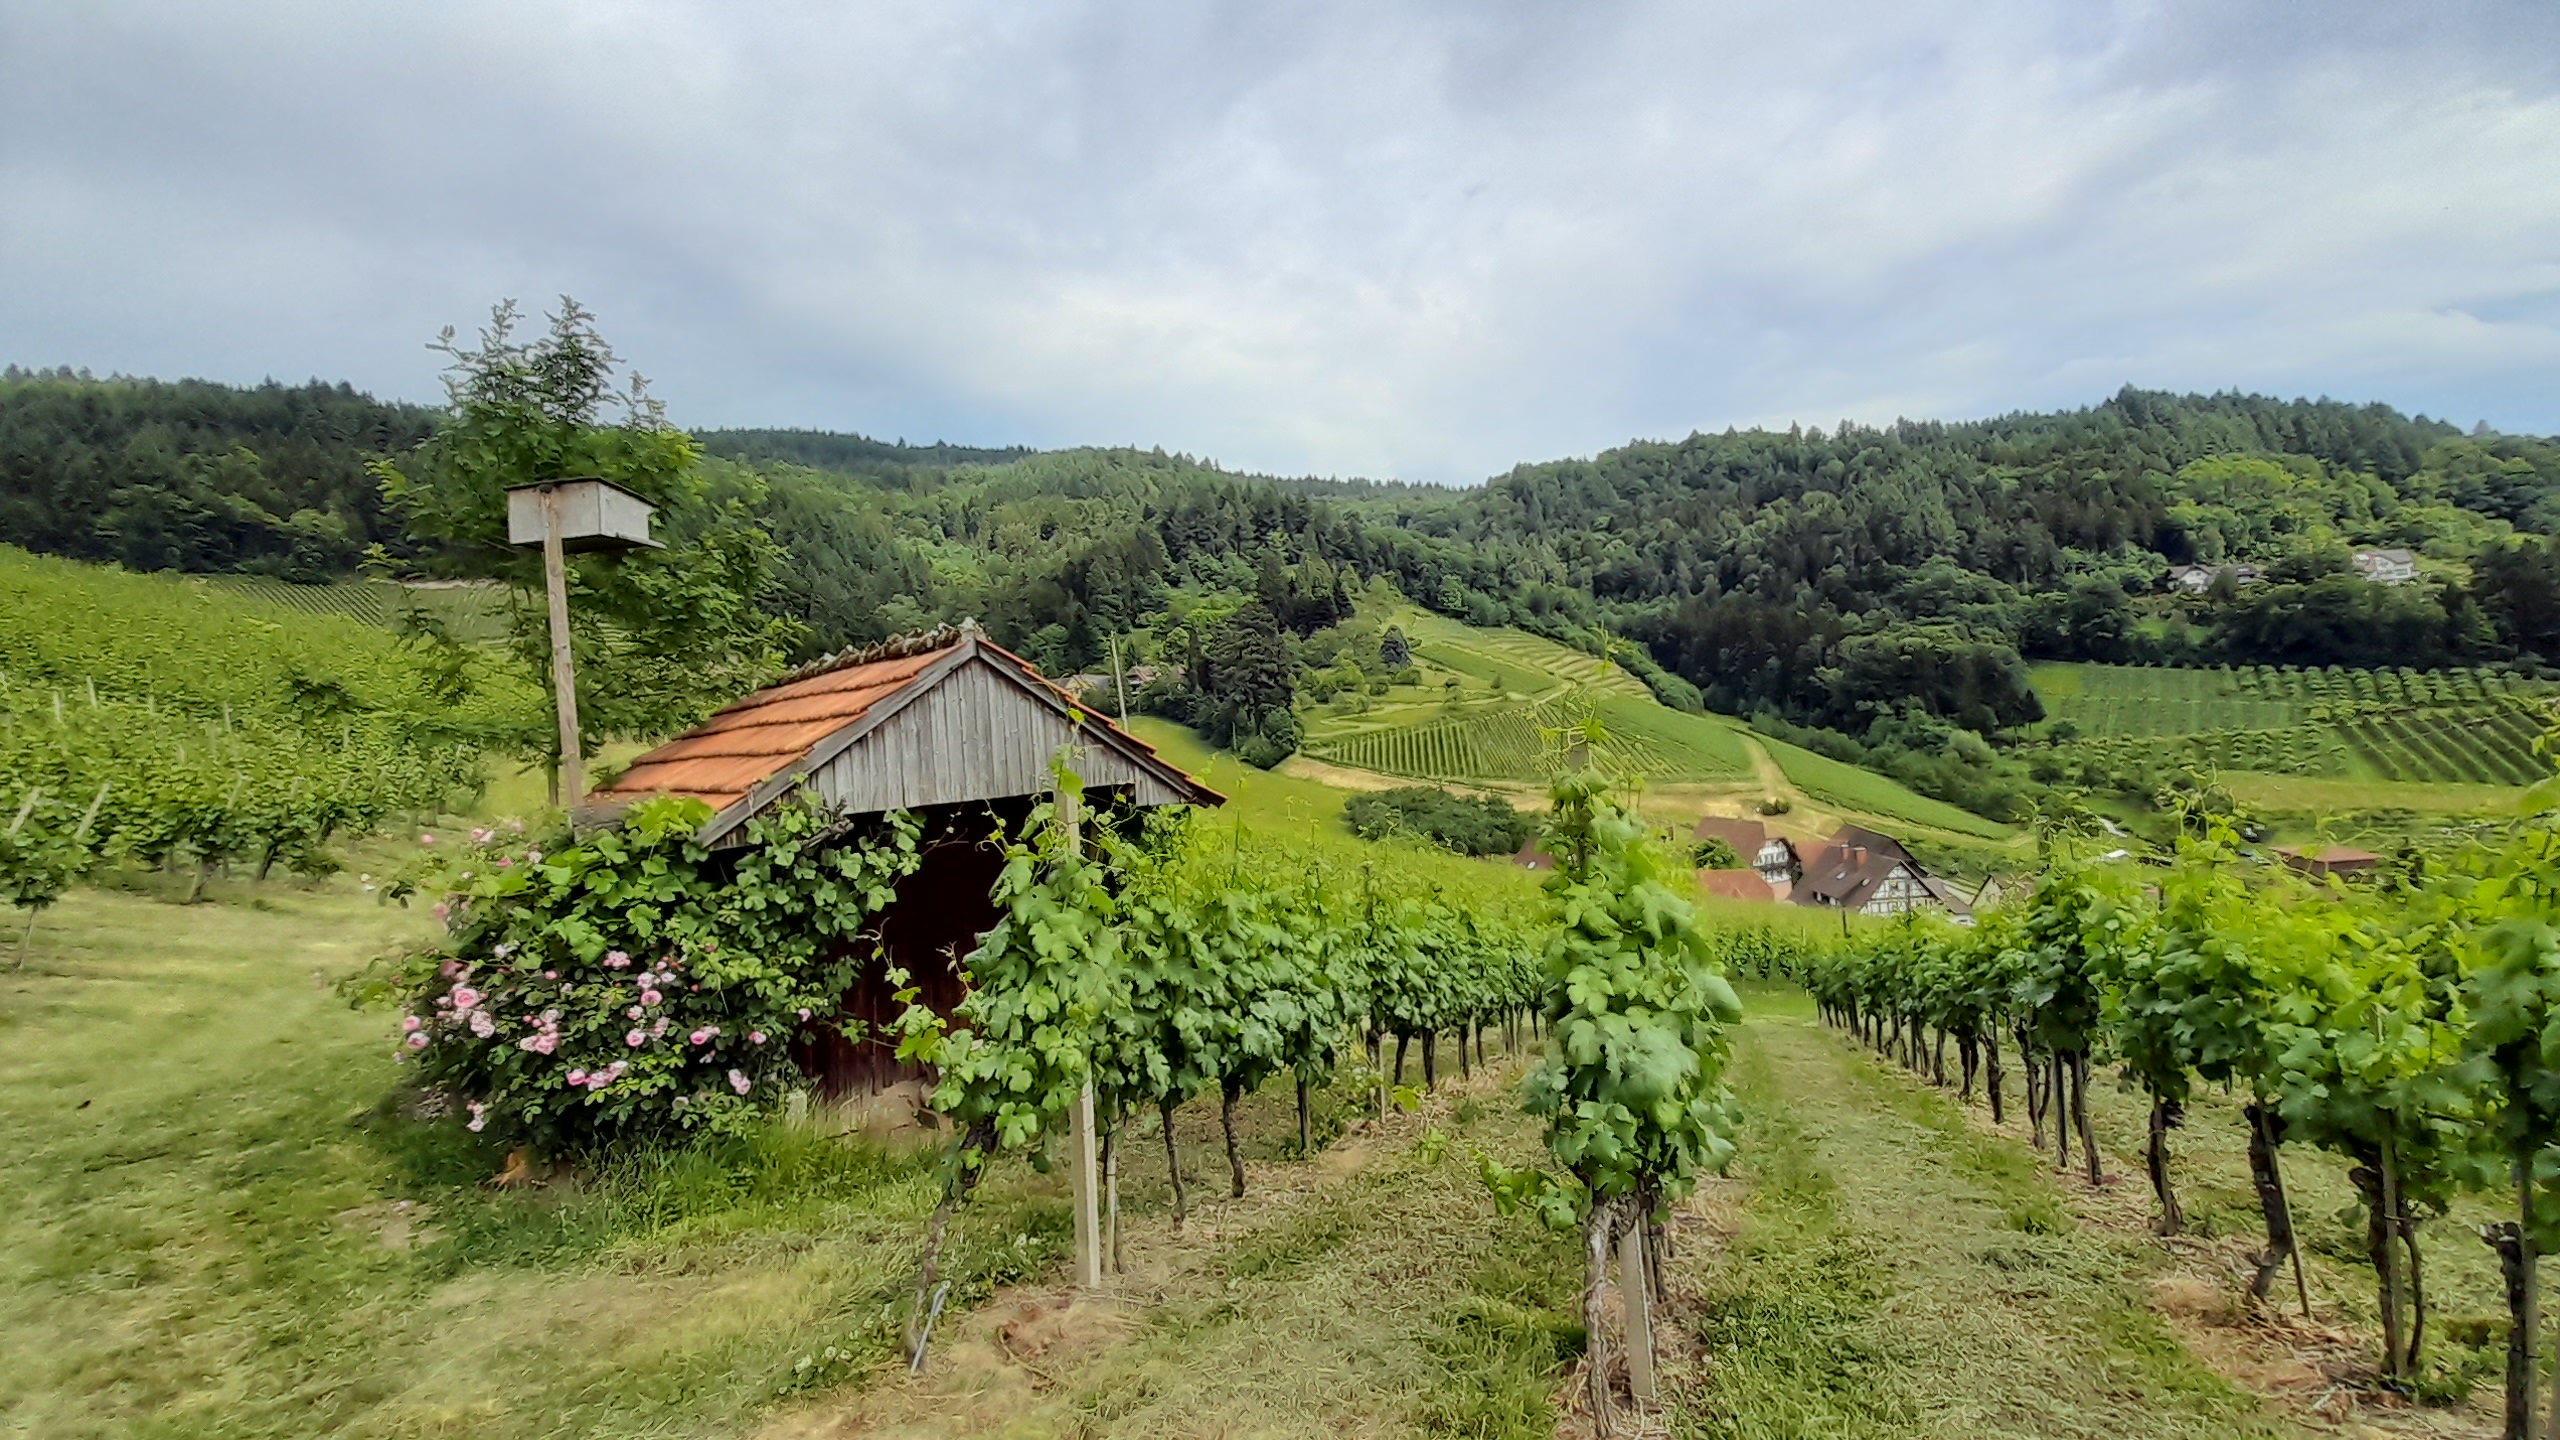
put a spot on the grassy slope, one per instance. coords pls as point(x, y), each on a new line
point(1712, 756)
point(1865, 793)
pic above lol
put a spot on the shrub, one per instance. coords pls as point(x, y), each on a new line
point(1484, 825)
point(637, 984)
point(1715, 853)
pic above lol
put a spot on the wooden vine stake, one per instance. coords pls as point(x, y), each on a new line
point(1635, 1295)
point(1080, 1142)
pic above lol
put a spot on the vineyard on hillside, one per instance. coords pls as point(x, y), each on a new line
point(144, 718)
point(2458, 726)
point(471, 612)
point(1498, 741)
point(1488, 696)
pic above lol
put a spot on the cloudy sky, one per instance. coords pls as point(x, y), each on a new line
point(1417, 240)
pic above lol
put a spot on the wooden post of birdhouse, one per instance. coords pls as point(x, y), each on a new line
point(1081, 1139)
point(564, 675)
point(560, 516)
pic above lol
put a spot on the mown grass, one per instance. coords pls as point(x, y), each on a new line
point(1899, 1274)
point(229, 1217)
point(226, 1216)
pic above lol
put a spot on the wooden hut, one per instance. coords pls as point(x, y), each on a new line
point(947, 725)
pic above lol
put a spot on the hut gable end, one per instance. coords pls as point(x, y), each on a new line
point(974, 735)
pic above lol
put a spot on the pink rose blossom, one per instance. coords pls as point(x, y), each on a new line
point(410, 1022)
point(650, 997)
point(426, 839)
point(757, 1036)
point(464, 997)
point(550, 974)
point(635, 1012)
point(504, 862)
point(804, 1014)
point(578, 1076)
point(636, 1039)
point(479, 1116)
point(533, 857)
point(615, 959)
point(482, 1025)
point(738, 1081)
point(418, 1041)
point(699, 1037)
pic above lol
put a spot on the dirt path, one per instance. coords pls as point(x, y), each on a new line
point(1896, 1272)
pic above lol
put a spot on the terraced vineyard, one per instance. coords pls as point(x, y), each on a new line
point(469, 612)
point(1509, 686)
point(1499, 741)
point(2467, 726)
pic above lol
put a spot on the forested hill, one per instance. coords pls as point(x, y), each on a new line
point(192, 475)
point(1882, 582)
point(1761, 564)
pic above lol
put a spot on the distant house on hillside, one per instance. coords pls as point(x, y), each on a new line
point(2197, 579)
point(1773, 856)
point(1861, 870)
point(1737, 885)
point(2323, 860)
point(2387, 567)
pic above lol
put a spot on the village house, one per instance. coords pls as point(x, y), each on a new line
point(946, 725)
point(1737, 885)
point(1772, 856)
point(2387, 567)
point(2197, 579)
point(1861, 870)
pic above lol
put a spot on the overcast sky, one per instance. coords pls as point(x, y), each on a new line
point(1424, 241)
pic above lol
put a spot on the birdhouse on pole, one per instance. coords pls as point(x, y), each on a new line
point(587, 516)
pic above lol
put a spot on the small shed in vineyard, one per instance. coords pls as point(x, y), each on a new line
point(946, 724)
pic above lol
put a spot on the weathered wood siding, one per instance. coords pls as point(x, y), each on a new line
point(975, 736)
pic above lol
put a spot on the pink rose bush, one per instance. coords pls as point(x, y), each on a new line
point(624, 987)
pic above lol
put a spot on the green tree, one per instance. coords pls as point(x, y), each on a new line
point(661, 637)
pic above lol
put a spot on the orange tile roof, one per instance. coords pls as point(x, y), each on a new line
point(1736, 885)
point(722, 758)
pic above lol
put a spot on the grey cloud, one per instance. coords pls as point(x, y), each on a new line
point(1425, 240)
